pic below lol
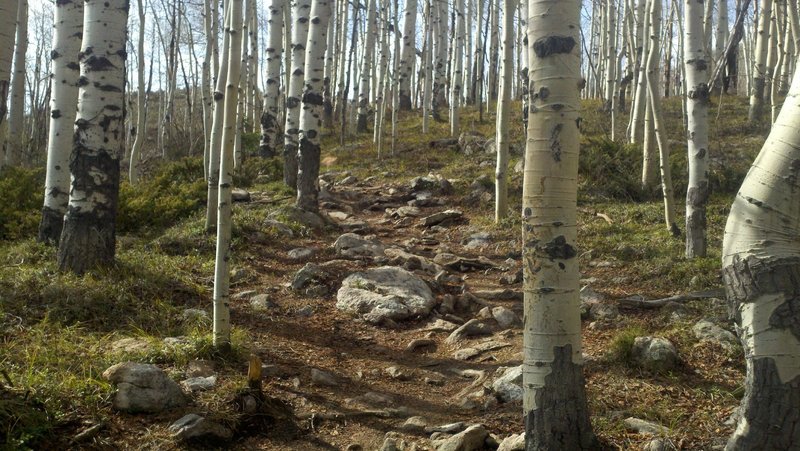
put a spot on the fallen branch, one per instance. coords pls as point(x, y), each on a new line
point(638, 301)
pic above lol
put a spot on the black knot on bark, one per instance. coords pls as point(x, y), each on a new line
point(552, 45)
point(558, 248)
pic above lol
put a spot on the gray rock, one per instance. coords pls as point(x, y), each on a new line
point(449, 428)
point(177, 341)
point(199, 368)
point(654, 353)
point(706, 330)
point(505, 317)
point(308, 274)
point(393, 442)
point(351, 245)
point(478, 240)
point(143, 388)
point(659, 444)
point(439, 325)
point(349, 180)
point(645, 427)
point(398, 373)
point(424, 183)
point(471, 328)
point(279, 227)
point(466, 353)
point(417, 343)
point(508, 387)
point(199, 383)
point(471, 439)
point(246, 294)
point(443, 217)
point(301, 253)
point(414, 425)
point(240, 195)
point(319, 377)
point(194, 315)
point(603, 312)
point(262, 302)
point(515, 442)
point(130, 345)
point(386, 292)
point(306, 218)
point(193, 426)
point(519, 166)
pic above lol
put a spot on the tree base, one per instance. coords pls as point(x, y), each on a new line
point(87, 242)
point(361, 124)
point(290, 166)
point(50, 227)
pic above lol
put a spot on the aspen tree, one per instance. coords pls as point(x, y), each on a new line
point(761, 270)
point(217, 128)
point(327, 93)
point(141, 133)
point(554, 402)
point(68, 30)
point(383, 69)
point(494, 46)
point(408, 54)
point(457, 64)
point(271, 138)
point(654, 100)
point(759, 64)
point(721, 38)
point(205, 81)
point(253, 109)
point(17, 108)
point(366, 63)
point(440, 64)
point(697, 66)
point(636, 128)
point(222, 316)
point(88, 238)
point(504, 112)
point(300, 12)
point(311, 116)
point(395, 74)
point(427, 66)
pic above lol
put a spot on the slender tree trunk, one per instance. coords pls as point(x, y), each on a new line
point(427, 67)
point(16, 116)
point(222, 316)
point(300, 12)
point(366, 62)
point(504, 112)
point(408, 54)
point(67, 33)
point(88, 239)
point(141, 132)
point(440, 65)
point(207, 93)
point(311, 117)
point(327, 92)
point(554, 402)
point(761, 270)
point(697, 66)
point(8, 20)
point(494, 9)
point(271, 138)
point(760, 63)
point(458, 66)
point(640, 99)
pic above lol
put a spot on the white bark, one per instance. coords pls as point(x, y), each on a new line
point(457, 64)
point(697, 65)
point(16, 115)
point(141, 132)
point(300, 12)
point(408, 54)
point(206, 88)
point(222, 316)
point(366, 63)
point(68, 30)
point(640, 98)
point(504, 112)
point(271, 138)
point(427, 66)
point(760, 62)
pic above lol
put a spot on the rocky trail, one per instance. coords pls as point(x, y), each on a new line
point(392, 323)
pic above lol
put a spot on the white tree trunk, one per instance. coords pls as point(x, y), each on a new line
point(300, 12)
point(761, 270)
point(457, 65)
point(427, 67)
point(16, 115)
point(141, 132)
point(554, 401)
point(222, 316)
point(440, 65)
point(366, 63)
point(207, 92)
point(311, 116)
point(760, 62)
point(67, 33)
point(271, 137)
point(408, 54)
point(636, 134)
point(88, 238)
point(504, 112)
point(697, 66)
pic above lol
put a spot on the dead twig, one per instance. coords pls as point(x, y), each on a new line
point(638, 301)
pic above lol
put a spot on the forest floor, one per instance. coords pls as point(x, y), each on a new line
point(60, 332)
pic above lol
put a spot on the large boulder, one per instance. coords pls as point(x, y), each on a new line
point(143, 387)
point(384, 293)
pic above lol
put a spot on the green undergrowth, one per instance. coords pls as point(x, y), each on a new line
point(21, 199)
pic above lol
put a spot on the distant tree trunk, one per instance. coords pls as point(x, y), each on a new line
point(222, 316)
point(440, 64)
point(17, 109)
point(721, 38)
point(554, 400)
point(494, 46)
point(88, 239)
point(760, 62)
point(208, 102)
point(216, 130)
point(327, 92)
point(504, 112)
point(8, 20)
point(366, 63)
point(523, 70)
point(761, 270)
point(640, 98)
point(408, 55)
point(697, 66)
point(383, 70)
point(141, 132)
point(457, 66)
point(311, 117)
point(67, 33)
point(300, 12)
point(427, 67)
point(271, 138)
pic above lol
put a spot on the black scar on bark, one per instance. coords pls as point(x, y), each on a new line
point(558, 248)
point(561, 418)
point(55, 114)
point(553, 45)
point(312, 98)
point(555, 144)
point(99, 63)
point(269, 124)
point(63, 2)
point(218, 96)
point(50, 226)
point(74, 66)
point(308, 174)
point(54, 55)
point(292, 102)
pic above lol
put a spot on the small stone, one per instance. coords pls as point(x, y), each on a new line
point(262, 302)
point(435, 381)
point(239, 275)
point(706, 330)
point(478, 240)
point(466, 353)
point(645, 427)
point(471, 328)
point(439, 325)
point(301, 253)
point(243, 295)
point(177, 341)
point(351, 245)
point(450, 428)
point(193, 426)
point(471, 439)
point(143, 388)
point(338, 215)
point(515, 442)
point(194, 315)
point(317, 291)
point(603, 312)
point(240, 195)
point(199, 383)
point(417, 343)
point(199, 368)
point(305, 311)
point(654, 353)
point(505, 317)
point(307, 274)
point(659, 444)
point(398, 373)
point(349, 180)
point(279, 227)
point(508, 387)
point(443, 217)
point(414, 425)
point(130, 345)
point(319, 377)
